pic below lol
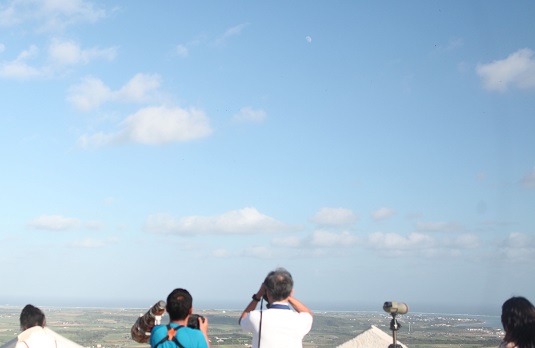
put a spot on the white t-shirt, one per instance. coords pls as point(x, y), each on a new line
point(36, 337)
point(281, 328)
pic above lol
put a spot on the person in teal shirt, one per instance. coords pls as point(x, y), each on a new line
point(177, 333)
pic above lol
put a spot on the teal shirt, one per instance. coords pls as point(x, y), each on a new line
point(188, 337)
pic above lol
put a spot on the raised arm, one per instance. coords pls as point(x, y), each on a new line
point(252, 305)
point(298, 306)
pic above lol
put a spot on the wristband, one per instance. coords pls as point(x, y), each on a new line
point(255, 298)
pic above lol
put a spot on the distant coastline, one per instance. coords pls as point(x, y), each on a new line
point(234, 305)
point(484, 320)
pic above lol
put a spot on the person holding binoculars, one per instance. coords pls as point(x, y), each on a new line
point(279, 326)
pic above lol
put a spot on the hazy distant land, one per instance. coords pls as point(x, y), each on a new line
point(110, 327)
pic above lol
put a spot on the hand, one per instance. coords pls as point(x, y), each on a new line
point(262, 291)
point(203, 324)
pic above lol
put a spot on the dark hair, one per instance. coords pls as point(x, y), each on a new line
point(179, 303)
point(31, 316)
point(518, 320)
point(279, 283)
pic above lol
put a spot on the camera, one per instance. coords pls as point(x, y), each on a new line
point(395, 307)
point(265, 294)
point(193, 321)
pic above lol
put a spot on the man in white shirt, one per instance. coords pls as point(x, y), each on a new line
point(279, 326)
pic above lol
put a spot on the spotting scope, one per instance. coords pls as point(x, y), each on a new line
point(395, 307)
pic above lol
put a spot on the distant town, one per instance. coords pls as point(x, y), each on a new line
point(102, 327)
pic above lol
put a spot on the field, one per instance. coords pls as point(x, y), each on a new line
point(99, 327)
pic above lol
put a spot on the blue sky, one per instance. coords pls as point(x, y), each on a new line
point(378, 150)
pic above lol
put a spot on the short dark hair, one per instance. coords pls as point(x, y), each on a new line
point(179, 303)
point(279, 283)
point(518, 320)
point(31, 316)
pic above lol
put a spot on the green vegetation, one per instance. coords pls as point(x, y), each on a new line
point(111, 328)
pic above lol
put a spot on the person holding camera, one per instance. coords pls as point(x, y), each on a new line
point(177, 333)
point(279, 326)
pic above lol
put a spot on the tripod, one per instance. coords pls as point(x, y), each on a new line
point(394, 326)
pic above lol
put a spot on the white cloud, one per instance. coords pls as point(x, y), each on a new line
point(420, 244)
point(528, 181)
point(139, 88)
point(233, 31)
point(54, 222)
point(19, 68)
point(288, 241)
point(94, 225)
point(92, 92)
point(517, 70)
point(242, 221)
point(31, 52)
point(153, 126)
point(98, 140)
point(466, 241)
point(382, 213)
point(331, 239)
point(395, 242)
point(60, 54)
point(317, 239)
point(248, 114)
point(150, 125)
point(91, 243)
point(221, 253)
point(182, 51)
point(437, 227)
point(334, 217)
point(87, 243)
point(70, 53)
point(8, 15)
point(517, 247)
point(49, 14)
point(159, 125)
point(519, 240)
point(260, 252)
point(109, 201)
point(89, 94)
point(452, 44)
point(322, 243)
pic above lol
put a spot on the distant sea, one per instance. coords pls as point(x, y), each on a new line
point(491, 310)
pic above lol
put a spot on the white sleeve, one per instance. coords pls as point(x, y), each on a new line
point(250, 322)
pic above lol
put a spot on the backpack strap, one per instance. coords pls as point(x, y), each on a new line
point(171, 336)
